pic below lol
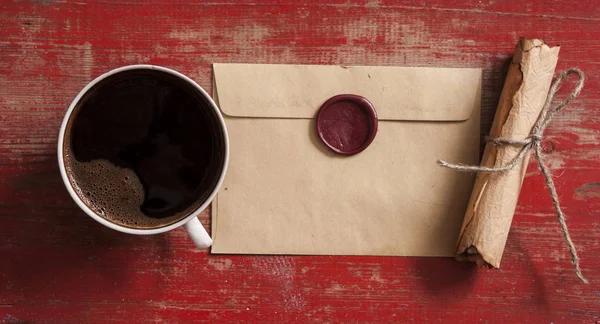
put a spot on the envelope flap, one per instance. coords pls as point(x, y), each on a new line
point(297, 91)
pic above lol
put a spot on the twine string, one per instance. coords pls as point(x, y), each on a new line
point(533, 142)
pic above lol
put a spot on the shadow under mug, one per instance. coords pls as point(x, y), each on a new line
point(191, 223)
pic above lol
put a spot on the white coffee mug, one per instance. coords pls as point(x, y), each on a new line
point(191, 223)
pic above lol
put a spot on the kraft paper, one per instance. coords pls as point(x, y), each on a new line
point(286, 193)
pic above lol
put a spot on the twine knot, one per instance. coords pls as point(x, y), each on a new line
point(535, 138)
point(533, 142)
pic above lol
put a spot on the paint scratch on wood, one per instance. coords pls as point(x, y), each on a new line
point(87, 59)
point(589, 190)
point(283, 271)
point(220, 264)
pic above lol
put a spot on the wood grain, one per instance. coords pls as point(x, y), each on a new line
point(59, 266)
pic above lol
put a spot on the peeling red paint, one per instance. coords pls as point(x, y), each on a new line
point(58, 265)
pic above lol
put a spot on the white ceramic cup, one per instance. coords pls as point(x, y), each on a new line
point(191, 223)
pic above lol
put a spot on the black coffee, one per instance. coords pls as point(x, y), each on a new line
point(143, 149)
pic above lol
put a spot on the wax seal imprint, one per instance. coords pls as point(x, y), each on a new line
point(347, 123)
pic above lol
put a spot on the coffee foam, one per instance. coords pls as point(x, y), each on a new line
point(112, 192)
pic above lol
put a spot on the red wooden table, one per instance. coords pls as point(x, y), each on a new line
point(59, 266)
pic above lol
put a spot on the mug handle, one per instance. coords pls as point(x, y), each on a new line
point(198, 234)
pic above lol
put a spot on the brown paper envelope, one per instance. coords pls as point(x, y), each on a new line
point(286, 193)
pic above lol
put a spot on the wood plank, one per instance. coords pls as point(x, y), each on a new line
point(58, 265)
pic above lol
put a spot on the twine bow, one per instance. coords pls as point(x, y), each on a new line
point(533, 142)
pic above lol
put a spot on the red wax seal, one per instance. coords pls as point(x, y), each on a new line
point(347, 123)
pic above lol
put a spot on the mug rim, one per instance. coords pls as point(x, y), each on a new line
point(104, 221)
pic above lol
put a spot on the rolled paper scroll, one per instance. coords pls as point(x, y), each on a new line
point(494, 198)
